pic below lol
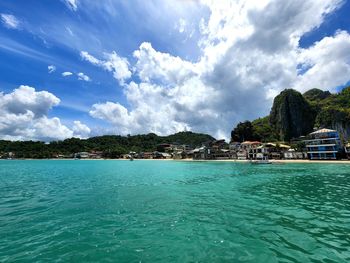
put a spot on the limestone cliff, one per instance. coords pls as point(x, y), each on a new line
point(291, 115)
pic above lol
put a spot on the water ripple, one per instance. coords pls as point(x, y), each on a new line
point(173, 211)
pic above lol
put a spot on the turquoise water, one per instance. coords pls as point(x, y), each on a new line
point(167, 211)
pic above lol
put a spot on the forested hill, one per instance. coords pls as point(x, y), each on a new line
point(294, 114)
point(111, 145)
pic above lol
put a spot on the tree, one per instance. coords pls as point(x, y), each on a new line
point(243, 132)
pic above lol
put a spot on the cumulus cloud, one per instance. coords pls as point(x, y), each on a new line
point(25, 99)
point(71, 4)
point(51, 68)
point(249, 53)
point(10, 21)
point(327, 63)
point(23, 116)
point(67, 73)
point(82, 76)
point(119, 66)
point(81, 130)
point(155, 66)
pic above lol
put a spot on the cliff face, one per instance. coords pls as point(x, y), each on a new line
point(291, 115)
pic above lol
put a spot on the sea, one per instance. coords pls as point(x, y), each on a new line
point(173, 211)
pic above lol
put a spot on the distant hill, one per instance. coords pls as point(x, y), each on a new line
point(294, 114)
point(112, 145)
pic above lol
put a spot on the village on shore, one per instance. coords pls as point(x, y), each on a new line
point(323, 144)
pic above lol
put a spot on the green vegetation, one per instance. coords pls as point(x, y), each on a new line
point(263, 130)
point(258, 130)
point(316, 95)
point(293, 115)
point(333, 110)
point(112, 146)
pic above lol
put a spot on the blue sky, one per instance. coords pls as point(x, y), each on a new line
point(161, 66)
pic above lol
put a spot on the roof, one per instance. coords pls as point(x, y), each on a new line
point(280, 145)
point(323, 131)
point(249, 142)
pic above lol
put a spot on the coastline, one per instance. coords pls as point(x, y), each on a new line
point(296, 161)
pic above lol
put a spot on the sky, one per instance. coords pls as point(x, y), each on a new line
point(83, 68)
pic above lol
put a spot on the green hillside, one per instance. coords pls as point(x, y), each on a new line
point(112, 146)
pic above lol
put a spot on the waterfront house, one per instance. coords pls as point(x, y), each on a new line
point(268, 151)
point(293, 154)
point(323, 144)
point(245, 148)
point(179, 155)
point(214, 150)
point(218, 150)
point(234, 148)
point(147, 155)
point(95, 154)
point(164, 147)
point(81, 155)
point(202, 153)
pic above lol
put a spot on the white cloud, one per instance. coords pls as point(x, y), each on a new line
point(71, 4)
point(25, 99)
point(327, 63)
point(10, 21)
point(81, 130)
point(156, 66)
point(249, 53)
point(86, 56)
point(113, 113)
point(48, 129)
point(181, 25)
point(67, 73)
point(51, 68)
point(23, 116)
point(82, 76)
point(119, 66)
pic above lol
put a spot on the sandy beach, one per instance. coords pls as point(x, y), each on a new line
point(234, 160)
point(191, 160)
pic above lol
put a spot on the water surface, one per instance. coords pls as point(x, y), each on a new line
point(168, 211)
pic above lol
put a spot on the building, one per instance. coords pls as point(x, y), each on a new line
point(323, 144)
point(164, 147)
point(234, 148)
point(347, 150)
point(219, 150)
point(81, 155)
point(147, 155)
point(246, 148)
point(268, 151)
point(202, 153)
point(214, 150)
point(179, 155)
point(293, 154)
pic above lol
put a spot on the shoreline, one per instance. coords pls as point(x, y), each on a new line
point(296, 161)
